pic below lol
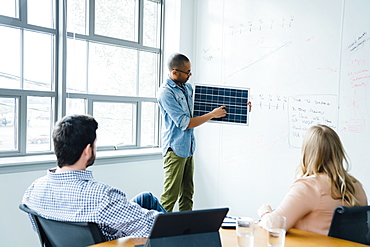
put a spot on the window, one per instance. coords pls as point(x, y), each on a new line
point(8, 123)
point(8, 8)
point(105, 61)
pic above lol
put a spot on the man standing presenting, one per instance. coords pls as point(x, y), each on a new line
point(175, 100)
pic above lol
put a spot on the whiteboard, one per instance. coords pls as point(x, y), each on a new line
point(306, 62)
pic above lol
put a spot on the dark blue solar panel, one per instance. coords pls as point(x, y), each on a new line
point(207, 98)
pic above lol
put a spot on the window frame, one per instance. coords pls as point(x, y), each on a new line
point(59, 93)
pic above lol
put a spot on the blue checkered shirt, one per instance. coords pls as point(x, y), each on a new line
point(75, 196)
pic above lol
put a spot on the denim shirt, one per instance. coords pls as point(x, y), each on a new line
point(176, 106)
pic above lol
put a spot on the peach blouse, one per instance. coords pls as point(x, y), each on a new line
point(308, 205)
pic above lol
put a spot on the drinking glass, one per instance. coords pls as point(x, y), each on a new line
point(276, 230)
point(245, 231)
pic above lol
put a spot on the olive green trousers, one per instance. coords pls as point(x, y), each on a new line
point(178, 182)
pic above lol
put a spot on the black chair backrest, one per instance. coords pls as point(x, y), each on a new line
point(59, 233)
point(351, 223)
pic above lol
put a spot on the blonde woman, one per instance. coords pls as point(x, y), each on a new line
point(323, 184)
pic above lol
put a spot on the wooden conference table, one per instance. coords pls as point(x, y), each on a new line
point(294, 238)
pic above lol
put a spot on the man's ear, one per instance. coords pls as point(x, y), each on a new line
point(173, 72)
point(86, 150)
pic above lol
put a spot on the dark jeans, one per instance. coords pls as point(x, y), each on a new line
point(149, 201)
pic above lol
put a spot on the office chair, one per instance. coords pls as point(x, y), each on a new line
point(60, 234)
point(351, 223)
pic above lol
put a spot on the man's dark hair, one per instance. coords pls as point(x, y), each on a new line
point(71, 135)
point(176, 61)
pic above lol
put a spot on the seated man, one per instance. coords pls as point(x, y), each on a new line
point(70, 193)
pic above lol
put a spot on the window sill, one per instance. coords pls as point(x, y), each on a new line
point(43, 162)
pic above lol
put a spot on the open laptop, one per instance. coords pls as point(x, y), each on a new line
point(187, 228)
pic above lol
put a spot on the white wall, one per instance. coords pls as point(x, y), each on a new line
point(312, 51)
point(180, 21)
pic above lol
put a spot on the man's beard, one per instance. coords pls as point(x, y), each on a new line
point(91, 161)
point(181, 82)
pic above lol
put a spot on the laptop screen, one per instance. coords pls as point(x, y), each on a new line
point(188, 222)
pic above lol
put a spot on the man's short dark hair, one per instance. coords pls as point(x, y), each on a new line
point(176, 61)
point(71, 135)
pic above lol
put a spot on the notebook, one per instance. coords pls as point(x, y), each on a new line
point(229, 222)
point(187, 228)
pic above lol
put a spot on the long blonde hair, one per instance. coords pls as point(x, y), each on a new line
point(323, 152)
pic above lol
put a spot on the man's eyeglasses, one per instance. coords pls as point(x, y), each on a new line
point(187, 73)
